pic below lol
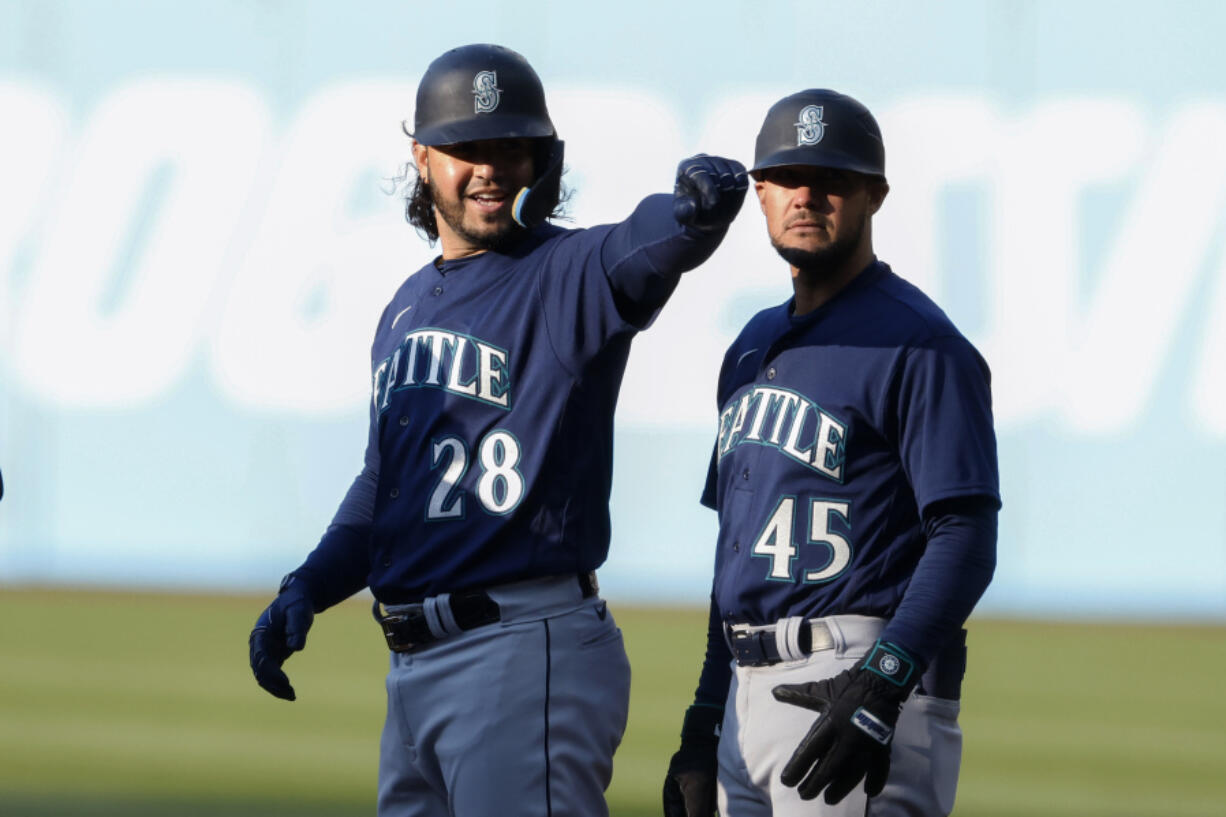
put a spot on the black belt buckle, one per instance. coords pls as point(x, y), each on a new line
point(405, 631)
point(754, 649)
point(760, 648)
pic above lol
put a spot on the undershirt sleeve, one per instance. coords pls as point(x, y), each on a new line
point(949, 579)
point(339, 565)
point(716, 674)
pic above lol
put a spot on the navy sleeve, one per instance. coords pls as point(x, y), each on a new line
point(945, 433)
point(612, 279)
point(645, 255)
point(949, 579)
point(947, 444)
point(716, 674)
point(339, 565)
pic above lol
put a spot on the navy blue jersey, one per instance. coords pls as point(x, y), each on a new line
point(836, 430)
point(494, 382)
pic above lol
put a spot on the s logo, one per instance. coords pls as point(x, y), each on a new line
point(809, 127)
point(486, 93)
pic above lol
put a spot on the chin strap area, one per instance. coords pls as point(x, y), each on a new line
point(534, 204)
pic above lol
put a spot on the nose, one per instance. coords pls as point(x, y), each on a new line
point(484, 167)
point(807, 197)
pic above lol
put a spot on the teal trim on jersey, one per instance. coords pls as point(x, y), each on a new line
point(454, 490)
point(727, 440)
point(388, 370)
point(851, 545)
point(523, 492)
point(790, 578)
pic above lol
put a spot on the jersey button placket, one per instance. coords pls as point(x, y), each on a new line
point(770, 373)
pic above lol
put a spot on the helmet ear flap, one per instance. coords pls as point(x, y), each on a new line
point(534, 204)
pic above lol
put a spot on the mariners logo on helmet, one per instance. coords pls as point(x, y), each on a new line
point(809, 127)
point(486, 92)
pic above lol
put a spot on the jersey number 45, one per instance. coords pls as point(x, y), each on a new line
point(775, 540)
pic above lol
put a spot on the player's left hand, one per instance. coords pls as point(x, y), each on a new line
point(709, 192)
point(689, 786)
point(280, 631)
point(851, 740)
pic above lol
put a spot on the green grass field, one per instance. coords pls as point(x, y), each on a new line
point(140, 704)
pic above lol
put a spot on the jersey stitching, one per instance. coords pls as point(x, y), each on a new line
point(934, 332)
point(540, 296)
point(548, 673)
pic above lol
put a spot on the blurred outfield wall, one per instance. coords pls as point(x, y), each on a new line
point(196, 239)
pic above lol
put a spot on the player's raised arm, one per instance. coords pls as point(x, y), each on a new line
point(665, 236)
point(482, 515)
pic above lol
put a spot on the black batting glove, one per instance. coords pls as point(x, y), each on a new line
point(709, 192)
point(851, 739)
point(280, 631)
point(689, 787)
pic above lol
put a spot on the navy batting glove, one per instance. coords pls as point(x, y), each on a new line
point(709, 192)
point(850, 742)
point(280, 631)
point(689, 786)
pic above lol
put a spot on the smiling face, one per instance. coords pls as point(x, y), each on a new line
point(473, 185)
point(818, 218)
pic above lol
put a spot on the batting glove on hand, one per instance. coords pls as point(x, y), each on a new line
point(851, 740)
point(280, 631)
point(709, 192)
point(689, 787)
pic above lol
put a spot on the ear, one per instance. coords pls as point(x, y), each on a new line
point(420, 153)
point(876, 196)
point(760, 189)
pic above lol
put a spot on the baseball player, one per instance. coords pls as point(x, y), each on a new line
point(855, 478)
point(482, 509)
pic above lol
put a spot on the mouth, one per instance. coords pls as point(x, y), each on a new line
point(489, 201)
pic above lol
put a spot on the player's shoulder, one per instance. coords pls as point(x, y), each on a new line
point(903, 309)
point(744, 354)
point(761, 330)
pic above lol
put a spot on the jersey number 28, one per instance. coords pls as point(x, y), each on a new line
point(500, 487)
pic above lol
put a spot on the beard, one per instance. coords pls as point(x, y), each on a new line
point(495, 236)
point(823, 262)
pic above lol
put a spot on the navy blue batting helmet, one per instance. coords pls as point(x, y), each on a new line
point(480, 92)
point(821, 128)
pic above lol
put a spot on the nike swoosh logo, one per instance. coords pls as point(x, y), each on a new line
point(398, 314)
point(741, 359)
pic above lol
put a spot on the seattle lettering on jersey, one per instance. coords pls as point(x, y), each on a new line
point(786, 420)
point(438, 359)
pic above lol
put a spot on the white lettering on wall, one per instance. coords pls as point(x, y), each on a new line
point(329, 252)
point(82, 338)
point(176, 222)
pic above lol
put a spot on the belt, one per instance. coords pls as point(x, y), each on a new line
point(409, 627)
point(789, 639)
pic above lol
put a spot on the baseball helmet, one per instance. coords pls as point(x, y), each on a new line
point(480, 92)
point(821, 128)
